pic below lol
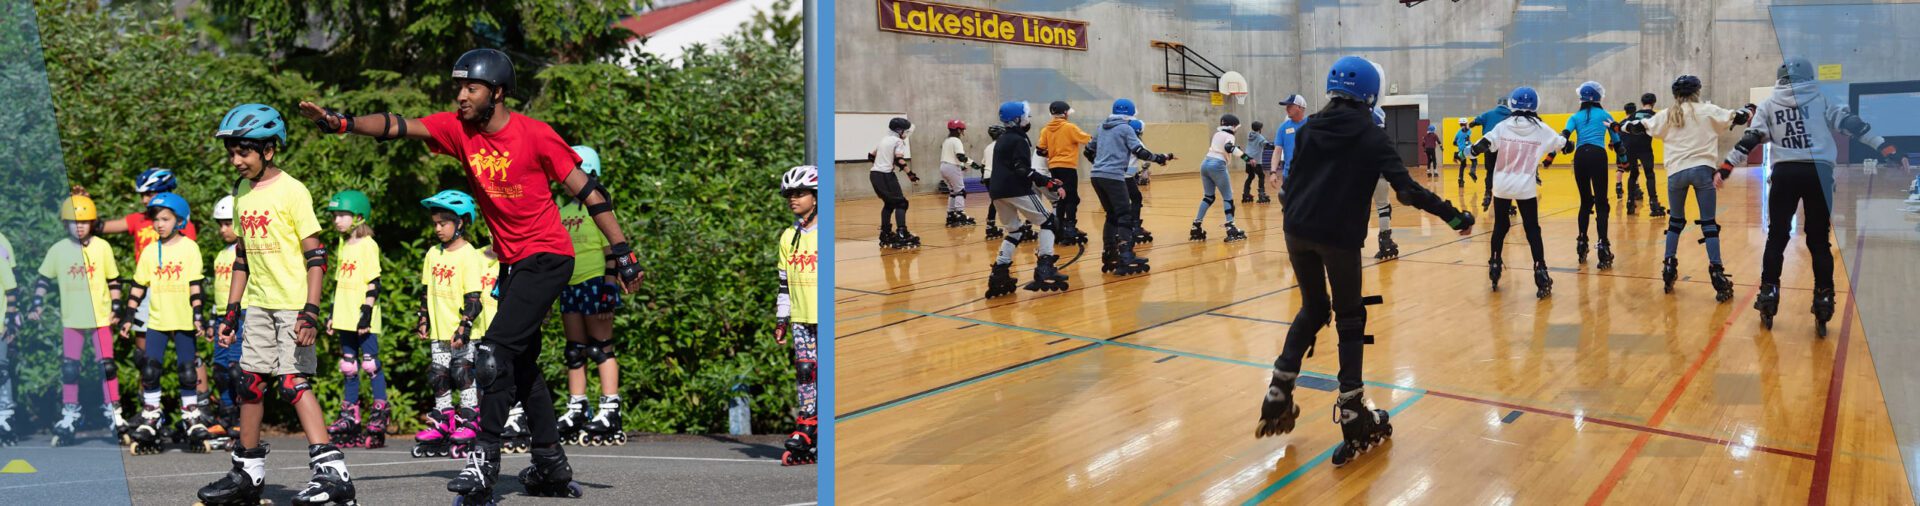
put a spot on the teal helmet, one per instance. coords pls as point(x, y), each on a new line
point(453, 201)
point(589, 160)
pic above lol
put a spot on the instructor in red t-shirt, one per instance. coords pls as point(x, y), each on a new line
point(511, 160)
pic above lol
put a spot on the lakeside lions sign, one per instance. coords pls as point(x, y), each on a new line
point(962, 22)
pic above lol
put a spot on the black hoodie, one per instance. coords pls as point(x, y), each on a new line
point(1339, 157)
point(1013, 162)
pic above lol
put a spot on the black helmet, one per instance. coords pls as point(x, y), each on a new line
point(1795, 70)
point(1058, 107)
point(1229, 120)
point(489, 66)
point(898, 125)
point(1648, 98)
point(1686, 85)
point(994, 131)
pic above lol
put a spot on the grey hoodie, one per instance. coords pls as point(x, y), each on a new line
point(1113, 147)
point(1800, 121)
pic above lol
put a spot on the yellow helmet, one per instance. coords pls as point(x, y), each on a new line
point(79, 208)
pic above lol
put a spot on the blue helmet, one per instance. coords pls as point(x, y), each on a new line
point(1123, 107)
point(1432, 128)
point(155, 180)
point(253, 121)
point(1795, 70)
point(589, 160)
point(1524, 99)
point(1591, 91)
point(171, 202)
point(1139, 127)
point(1014, 113)
point(454, 201)
point(1354, 78)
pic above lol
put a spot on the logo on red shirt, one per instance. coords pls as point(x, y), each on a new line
point(490, 167)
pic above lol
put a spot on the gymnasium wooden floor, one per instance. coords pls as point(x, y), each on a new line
point(1145, 389)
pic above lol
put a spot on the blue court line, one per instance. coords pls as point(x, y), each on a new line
point(1511, 416)
point(1248, 318)
point(1322, 457)
point(922, 395)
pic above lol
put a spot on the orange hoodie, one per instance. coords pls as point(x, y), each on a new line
point(1062, 142)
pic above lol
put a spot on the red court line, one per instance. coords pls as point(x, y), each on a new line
point(1829, 422)
point(1673, 398)
point(1623, 425)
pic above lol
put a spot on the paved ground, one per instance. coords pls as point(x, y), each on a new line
point(647, 470)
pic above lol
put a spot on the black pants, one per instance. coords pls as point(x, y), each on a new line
point(1433, 161)
point(1590, 176)
point(991, 211)
point(1253, 174)
point(528, 289)
point(1117, 234)
point(1492, 160)
point(894, 202)
point(1640, 160)
point(1319, 267)
point(1067, 210)
point(1529, 217)
point(1133, 192)
point(1796, 184)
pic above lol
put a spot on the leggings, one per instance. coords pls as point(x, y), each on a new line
point(1700, 179)
point(71, 340)
point(360, 356)
point(1253, 175)
point(991, 210)
point(806, 354)
point(1529, 217)
point(1320, 267)
point(1796, 184)
point(458, 364)
point(1640, 159)
point(184, 358)
point(1433, 159)
point(1067, 209)
point(1133, 192)
point(1590, 176)
point(887, 187)
point(1213, 178)
point(1121, 222)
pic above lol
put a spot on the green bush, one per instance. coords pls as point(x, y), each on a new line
point(693, 151)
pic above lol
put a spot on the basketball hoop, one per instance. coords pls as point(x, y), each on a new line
point(1234, 85)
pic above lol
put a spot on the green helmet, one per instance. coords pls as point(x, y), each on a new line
point(352, 201)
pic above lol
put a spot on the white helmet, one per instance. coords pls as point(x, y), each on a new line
point(223, 210)
point(804, 177)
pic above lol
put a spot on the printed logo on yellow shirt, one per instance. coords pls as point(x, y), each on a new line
point(168, 271)
point(81, 270)
point(223, 270)
point(804, 261)
point(486, 281)
point(490, 167)
point(572, 223)
point(443, 274)
point(347, 268)
point(253, 223)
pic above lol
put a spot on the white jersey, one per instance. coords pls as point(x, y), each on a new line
point(1221, 145)
point(1521, 143)
point(1800, 121)
point(892, 147)
point(951, 150)
point(986, 161)
point(1697, 143)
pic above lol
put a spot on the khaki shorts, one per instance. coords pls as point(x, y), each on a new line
point(269, 349)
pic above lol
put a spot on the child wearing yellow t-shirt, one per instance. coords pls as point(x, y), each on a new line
point(88, 283)
point(356, 321)
point(225, 356)
point(279, 270)
point(586, 315)
point(796, 306)
point(449, 306)
point(9, 330)
point(168, 278)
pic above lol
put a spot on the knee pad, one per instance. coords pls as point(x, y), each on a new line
point(462, 371)
point(1353, 329)
point(576, 354)
point(109, 370)
point(959, 193)
point(149, 374)
point(369, 366)
point(1384, 210)
point(70, 371)
point(1709, 229)
point(219, 376)
point(486, 368)
point(440, 378)
point(1206, 200)
point(1675, 224)
point(807, 371)
point(292, 386)
point(901, 203)
point(1052, 223)
point(348, 367)
point(600, 351)
point(188, 380)
point(252, 386)
point(1311, 317)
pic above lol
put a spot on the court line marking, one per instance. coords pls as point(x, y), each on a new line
point(1249, 318)
point(1325, 456)
point(1666, 406)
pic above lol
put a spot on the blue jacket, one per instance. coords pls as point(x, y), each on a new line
point(1487, 120)
point(1113, 147)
